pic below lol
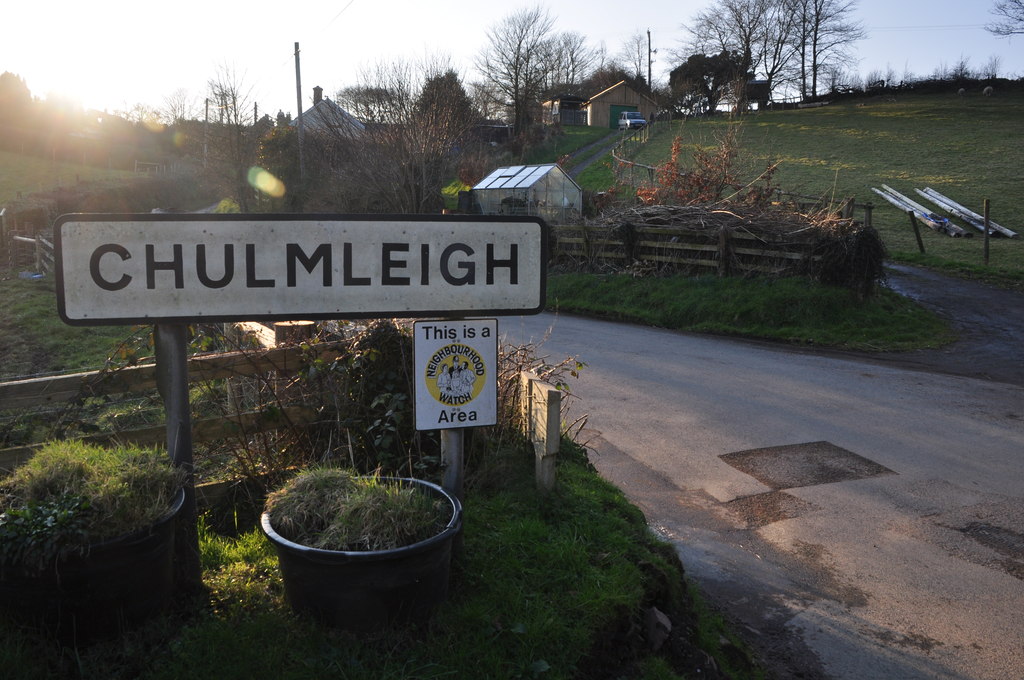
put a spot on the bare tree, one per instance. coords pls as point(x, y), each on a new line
point(573, 61)
point(633, 56)
point(775, 53)
point(414, 120)
point(1009, 18)
point(759, 30)
point(992, 67)
point(731, 26)
point(961, 69)
point(178, 106)
point(140, 113)
point(487, 99)
point(514, 61)
point(232, 138)
point(823, 36)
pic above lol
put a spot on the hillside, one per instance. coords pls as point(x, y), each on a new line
point(968, 148)
point(29, 174)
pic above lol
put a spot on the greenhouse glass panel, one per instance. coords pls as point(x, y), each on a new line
point(539, 190)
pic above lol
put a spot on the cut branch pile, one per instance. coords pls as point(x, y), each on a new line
point(729, 240)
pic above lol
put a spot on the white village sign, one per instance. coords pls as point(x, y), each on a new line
point(172, 270)
point(114, 269)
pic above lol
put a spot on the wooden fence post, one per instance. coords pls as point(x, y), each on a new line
point(542, 410)
point(286, 332)
point(847, 208)
point(917, 231)
point(988, 231)
point(724, 252)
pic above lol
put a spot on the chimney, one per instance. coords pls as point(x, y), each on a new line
point(318, 95)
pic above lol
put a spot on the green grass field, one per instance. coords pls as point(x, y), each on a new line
point(25, 174)
point(968, 148)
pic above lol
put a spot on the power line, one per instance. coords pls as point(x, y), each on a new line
point(958, 27)
point(349, 4)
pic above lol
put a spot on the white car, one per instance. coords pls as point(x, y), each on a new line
point(631, 119)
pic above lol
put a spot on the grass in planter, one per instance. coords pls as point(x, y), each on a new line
point(333, 509)
point(84, 493)
point(538, 587)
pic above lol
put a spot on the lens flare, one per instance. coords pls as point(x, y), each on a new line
point(264, 181)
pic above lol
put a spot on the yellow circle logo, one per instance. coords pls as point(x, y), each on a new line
point(455, 374)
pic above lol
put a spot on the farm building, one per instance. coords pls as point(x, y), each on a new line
point(603, 108)
point(565, 110)
point(541, 190)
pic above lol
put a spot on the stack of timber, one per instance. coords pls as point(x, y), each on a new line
point(970, 217)
point(934, 221)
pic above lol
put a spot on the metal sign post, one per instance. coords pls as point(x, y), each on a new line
point(171, 341)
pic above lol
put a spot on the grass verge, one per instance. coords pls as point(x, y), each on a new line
point(545, 587)
point(791, 310)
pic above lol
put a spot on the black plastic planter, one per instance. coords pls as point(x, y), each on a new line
point(114, 586)
point(365, 591)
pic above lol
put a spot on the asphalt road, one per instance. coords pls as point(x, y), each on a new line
point(855, 520)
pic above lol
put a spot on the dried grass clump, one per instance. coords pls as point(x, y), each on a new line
point(70, 495)
point(126, 488)
point(333, 509)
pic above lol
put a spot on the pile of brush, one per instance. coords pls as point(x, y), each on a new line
point(836, 251)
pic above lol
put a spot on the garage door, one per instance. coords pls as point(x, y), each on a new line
point(616, 109)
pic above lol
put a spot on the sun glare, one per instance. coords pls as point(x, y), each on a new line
point(264, 181)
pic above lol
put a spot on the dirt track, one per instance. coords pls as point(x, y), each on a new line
point(988, 320)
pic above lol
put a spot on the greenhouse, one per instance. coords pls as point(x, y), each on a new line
point(541, 190)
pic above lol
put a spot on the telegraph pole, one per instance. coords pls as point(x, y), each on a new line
point(206, 131)
point(298, 104)
point(649, 83)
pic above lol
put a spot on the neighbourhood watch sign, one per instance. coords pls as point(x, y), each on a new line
point(456, 371)
point(114, 269)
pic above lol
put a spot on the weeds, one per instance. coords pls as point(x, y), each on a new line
point(712, 178)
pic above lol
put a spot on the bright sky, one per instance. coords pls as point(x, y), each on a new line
point(112, 54)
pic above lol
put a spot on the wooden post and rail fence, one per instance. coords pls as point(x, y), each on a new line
point(23, 395)
point(43, 251)
point(725, 251)
point(541, 413)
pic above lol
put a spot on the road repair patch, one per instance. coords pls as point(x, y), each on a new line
point(1006, 542)
point(763, 509)
point(796, 465)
